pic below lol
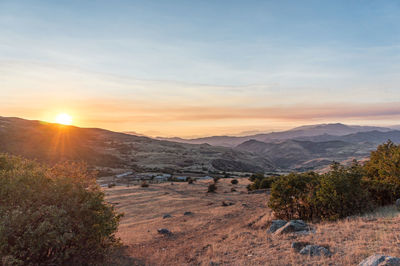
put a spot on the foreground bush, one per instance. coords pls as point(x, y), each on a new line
point(293, 196)
point(382, 173)
point(341, 192)
point(53, 216)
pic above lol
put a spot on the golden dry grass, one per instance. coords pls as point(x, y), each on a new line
point(236, 234)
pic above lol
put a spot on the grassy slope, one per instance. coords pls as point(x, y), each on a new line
point(236, 234)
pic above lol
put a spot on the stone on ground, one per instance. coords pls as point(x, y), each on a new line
point(380, 260)
point(315, 250)
point(293, 226)
point(275, 225)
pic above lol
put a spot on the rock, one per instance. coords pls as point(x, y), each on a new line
point(314, 250)
point(398, 204)
point(276, 224)
point(167, 216)
point(227, 203)
point(188, 213)
point(292, 227)
point(380, 260)
point(164, 231)
point(297, 246)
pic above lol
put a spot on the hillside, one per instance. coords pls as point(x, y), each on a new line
point(235, 234)
point(336, 129)
point(307, 155)
point(102, 148)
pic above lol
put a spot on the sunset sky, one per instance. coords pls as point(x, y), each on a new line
point(200, 68)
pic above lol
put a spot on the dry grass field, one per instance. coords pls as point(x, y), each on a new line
point(235, 234)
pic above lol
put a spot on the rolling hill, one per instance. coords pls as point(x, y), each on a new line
point(52, 143)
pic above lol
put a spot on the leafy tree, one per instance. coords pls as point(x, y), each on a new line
point(212, 188)
point(292, 195)
point(383, 173)
point(234, 182)
point(340, 193)
point(53, 216)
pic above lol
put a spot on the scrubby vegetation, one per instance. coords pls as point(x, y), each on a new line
point(261, 182)
point(234, 182)
point(212, 188)
point(341, 192)
point(53, 215)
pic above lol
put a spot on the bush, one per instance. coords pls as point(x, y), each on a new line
point(263, 183)
point(212, 188)
point(190, 181)
point(310, 196)
point(292, 196)
point(216, 178)
point(53, 216)
point(144, 184)
point(234, 182)
point(341, 193)
point(382, 173)
point(257, 176)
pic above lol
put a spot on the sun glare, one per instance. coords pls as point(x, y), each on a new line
point(64, 119)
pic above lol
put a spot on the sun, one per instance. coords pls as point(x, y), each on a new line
point(64, 119)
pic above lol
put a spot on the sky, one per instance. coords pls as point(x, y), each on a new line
point(201, 68)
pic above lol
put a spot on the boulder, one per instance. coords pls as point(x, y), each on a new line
point(293, 226)
point(164, 231)
point(275, 225)
point(380, 260)
point(297, 246)
point(167, 216)
point(398, 204)
point(314, 250)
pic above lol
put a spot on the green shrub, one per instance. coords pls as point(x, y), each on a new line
point(336, 194)
point(382, 173)
point(53, 216)
point(257, 176)
point(341, 193)
point(212, 188)
point(234, 182)
point(292, 196)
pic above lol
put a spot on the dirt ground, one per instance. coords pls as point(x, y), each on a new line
point(235, 234)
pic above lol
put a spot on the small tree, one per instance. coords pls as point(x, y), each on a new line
point(212, 188)
point(234, 182)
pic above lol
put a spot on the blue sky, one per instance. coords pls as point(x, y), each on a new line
point(197, 56)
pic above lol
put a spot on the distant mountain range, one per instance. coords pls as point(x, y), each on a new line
point(299, 132)
point(304, 148)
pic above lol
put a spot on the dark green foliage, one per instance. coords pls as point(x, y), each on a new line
point(382, 173)
point(212, 188)
point(341, 192)
point(311, 196)
point(263, 183)
point(292, 195)
point(53, 216)
point(257, 176)
point(234, 182)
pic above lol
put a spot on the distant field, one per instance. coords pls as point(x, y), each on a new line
point(236, 234)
